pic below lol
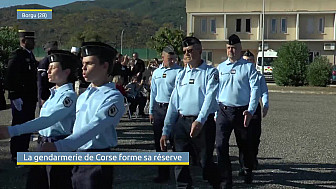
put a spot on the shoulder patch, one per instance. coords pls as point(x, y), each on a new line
point(67, 102)
point(112, 111)
point(216, 77)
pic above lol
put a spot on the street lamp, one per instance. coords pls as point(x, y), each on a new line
point(121, 40)
point(262, 37)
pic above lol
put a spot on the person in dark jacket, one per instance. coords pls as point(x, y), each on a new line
point(22, 88)
point(139, 67)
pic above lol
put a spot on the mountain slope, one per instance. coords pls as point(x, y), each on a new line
point(101, 20)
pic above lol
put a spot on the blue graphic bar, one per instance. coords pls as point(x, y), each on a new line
point(103, 158)
point(34, 14)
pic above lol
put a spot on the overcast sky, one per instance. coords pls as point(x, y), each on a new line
point(49, 3)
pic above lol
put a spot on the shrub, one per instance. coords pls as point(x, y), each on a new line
point(9, 41)
point(291, 65)
point(319, 72)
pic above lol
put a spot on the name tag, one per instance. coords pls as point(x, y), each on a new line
point(233, 71)
point(164, 75)
point(191, 81)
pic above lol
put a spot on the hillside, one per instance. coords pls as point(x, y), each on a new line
point(101, 20)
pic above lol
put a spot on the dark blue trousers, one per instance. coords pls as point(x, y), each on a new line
point(254, 131)
point(50, 176)
point(159, 115)
point(92, 176)
point(228, 119)
point(198, 146)
point(21, 143)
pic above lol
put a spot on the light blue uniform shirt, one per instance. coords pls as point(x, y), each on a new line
point(194, 95)
point(238, 84)
point(98, 112)
point(57, 115)
point(263, 90)
point(162, 85)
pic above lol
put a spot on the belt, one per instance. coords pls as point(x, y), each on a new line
point(195, 117)
point(187, 116)
point(234, 107)
point(163, 104)
point(43, 139)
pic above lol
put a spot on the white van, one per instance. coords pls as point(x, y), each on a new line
point(269, 56)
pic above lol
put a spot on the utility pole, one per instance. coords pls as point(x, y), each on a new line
point(121, 40)
point(262, 37)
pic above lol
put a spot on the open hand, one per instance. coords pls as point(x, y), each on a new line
point(247, 118)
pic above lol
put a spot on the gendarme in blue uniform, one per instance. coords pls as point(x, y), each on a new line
point(263, 90)
point(194, 95)
point(238, 84)
point(98, 112)
point(162, 85)
point(57, 115)
point(238, 91)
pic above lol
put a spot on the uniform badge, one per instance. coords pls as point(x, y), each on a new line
point(164, 75)
point(233, 71)
point(67, 102)
point(191, 81)
point(112, 111)
point(52, 58)
point(216, 77)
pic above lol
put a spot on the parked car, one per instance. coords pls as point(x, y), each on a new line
point(333, 74)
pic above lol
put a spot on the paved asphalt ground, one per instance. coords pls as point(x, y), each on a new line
point(298, 147)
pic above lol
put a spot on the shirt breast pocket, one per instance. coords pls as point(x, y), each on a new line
point(183, 84)
point(224, 76)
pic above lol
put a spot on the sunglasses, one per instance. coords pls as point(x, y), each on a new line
point(188, 51)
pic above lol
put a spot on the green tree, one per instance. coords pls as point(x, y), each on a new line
point(165, 37)
point(9, 41)
point(290, 68)
point(319, 72)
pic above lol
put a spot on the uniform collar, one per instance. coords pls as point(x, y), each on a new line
point(26, 49)
point(62, 88)
point(240, 60)
point(201, 67)
point(103, 88)
point(172, 67)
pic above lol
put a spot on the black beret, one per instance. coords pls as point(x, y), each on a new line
point(98, 49)
point(189, 41)
point(248, 53)
point(66, 58)
point(234, 39)
point(50, 44)
point(25, 34)
point(169, 49)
